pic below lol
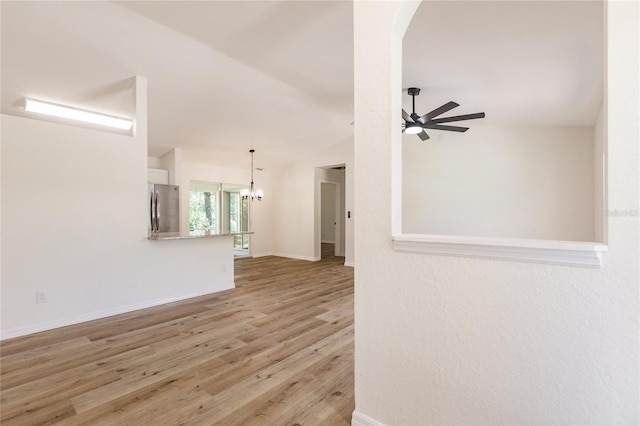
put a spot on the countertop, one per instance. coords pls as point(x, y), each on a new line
point(196, 236)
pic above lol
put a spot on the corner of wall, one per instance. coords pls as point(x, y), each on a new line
point(359, 419)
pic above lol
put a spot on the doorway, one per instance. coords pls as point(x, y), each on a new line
point(330, 207)
point(329, 213)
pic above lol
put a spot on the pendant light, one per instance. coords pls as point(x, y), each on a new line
point(252, 192)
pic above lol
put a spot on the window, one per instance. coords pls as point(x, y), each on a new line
point(217, 208)
point(203, 208)
point(235, 217)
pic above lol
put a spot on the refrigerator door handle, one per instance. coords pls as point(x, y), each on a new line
point(151, 218)
point(157, 216)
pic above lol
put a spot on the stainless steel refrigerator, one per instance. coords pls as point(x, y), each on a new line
point(164, 210)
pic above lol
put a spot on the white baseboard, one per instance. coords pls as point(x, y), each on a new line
point(295, 256)
point(262, 254)
point(359, 419)
point(289, 256)
point(50, 325)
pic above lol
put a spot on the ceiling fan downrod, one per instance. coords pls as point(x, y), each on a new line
point(413, 92)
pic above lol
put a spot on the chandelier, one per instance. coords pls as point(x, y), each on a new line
point(252, 192)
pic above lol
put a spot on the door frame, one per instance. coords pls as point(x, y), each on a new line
point(336, 216)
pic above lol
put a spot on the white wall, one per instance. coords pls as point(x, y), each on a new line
point(296, 213)
point(600, 178)
point(448, 340)
point(74, 223)
point(155, 163)
point(261, 212)
point(514, 182)
point(172, 162)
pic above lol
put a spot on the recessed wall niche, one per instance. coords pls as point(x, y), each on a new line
point(534, 168)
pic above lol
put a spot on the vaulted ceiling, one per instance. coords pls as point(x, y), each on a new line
point(522, 62)
point(277, 76)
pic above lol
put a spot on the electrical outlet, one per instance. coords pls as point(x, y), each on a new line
point(41, 296)
point(223, 267)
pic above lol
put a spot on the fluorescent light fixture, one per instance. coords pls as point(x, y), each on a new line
point(77, 114)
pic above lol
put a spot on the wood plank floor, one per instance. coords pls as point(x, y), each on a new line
point(277, 350)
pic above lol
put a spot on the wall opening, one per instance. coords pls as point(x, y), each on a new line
point(330, 212)
point(535, 168)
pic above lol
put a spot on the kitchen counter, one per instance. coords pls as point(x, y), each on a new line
point(197, 236)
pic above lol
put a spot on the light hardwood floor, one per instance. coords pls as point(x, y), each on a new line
point(277, 350)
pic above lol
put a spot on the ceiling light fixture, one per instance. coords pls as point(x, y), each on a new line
point(71, 113)
point(252, 192)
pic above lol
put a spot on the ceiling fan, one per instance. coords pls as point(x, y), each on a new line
point(415, 125)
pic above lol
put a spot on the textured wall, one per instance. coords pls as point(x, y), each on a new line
point(446, 340)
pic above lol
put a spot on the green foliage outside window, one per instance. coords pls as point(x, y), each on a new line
point(201, 208)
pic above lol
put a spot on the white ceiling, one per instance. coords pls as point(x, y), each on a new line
point(277, 76)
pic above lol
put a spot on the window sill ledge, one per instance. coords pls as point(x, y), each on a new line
point(567, 253)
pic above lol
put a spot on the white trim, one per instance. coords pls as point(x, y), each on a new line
point(297, 257)
point(50, 325)
point(359, 419)
point(262, 254)
point(350, 264)
point(567, 253)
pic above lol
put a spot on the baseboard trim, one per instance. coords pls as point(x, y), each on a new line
point(350, 264)
point(262, 254)
point(296, 257)
point(359, 419)
point(51, 325)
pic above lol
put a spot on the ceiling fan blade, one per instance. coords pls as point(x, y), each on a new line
point(433, 126)
point(423, 135)
point(415, 117)
point(438, 111)
point(406, 116)
point(458, 118)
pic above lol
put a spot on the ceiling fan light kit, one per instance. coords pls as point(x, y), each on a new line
point(415, 124)
point(413, 129)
